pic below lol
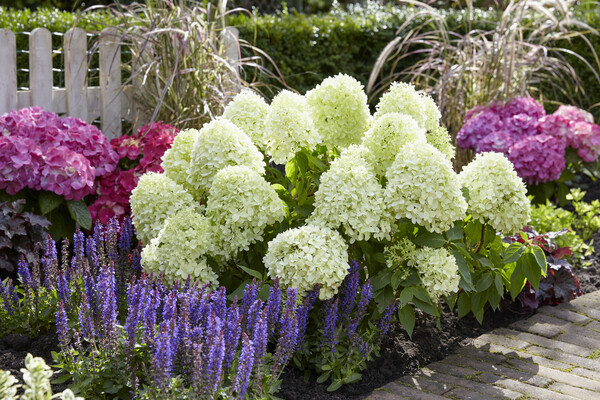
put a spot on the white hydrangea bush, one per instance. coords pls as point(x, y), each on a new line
point(438, 271)
point(497, 195)
point(309, 255)
point(248, 111)
point(176, 160)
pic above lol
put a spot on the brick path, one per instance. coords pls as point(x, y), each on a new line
point(554, 354)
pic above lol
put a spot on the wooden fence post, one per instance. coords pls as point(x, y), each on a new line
point(8, 71)
point(75, 45)
point(110, 83)
point(40, 68)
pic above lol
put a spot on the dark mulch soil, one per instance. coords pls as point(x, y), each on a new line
point(399, 354)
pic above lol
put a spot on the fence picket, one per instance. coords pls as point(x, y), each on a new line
point(75, 44)
point(40, 68)
point(8, 71)
point(110, 83)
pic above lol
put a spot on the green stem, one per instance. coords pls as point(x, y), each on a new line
point(480, 245)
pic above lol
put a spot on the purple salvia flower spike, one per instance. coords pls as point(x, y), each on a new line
point(197, 371)
point(286, 344)
point(233, 331)
point(24, 273)
point(329, 330)
point(349, 290)
point(302, 313)
point(64, 293)
point(86, 320)
point(253, 316)
point(250, 294)
point(386, 319)
point(49, 263)
point(150, 320)
point(170, 306)
point(6, 298)
point(62, 327)
point(242, 378)
point(79, 244)
point(163, 353)
point(220, 301)
point(366, 293)
point(215, 363)
point(108, 303)
point(260, 335)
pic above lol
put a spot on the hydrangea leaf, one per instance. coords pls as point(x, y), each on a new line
point(80, 213)
point(49, 201)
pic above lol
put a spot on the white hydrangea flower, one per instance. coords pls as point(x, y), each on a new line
point(431, 111)
point(350, 196)
point(437, 269)
point(180, 249)
point(497, 195)
point(423, 187)
point(176, 160)
point(240, 205)
point(304, 256)
point(155, 198)
point(289, 127)
point(403, 98)
point(249, 111)
point(441, 140)
point(387, 135)
point(221, 144)
point(339, 110)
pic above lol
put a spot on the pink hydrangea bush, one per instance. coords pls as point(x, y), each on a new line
point(536, 143)
point(41, 151)
point(139, 153)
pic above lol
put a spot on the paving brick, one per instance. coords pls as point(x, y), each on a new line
point(566, 314)
point(587, 373)
point(452, 369)
point(567, 358)
point(503, 341)
point(472, 385)
point(573, 391)
point(427, 385)
point(380, 394)
point(410, 392)
point(582, 309)
point(556, 375)
point(526, 356)
point(498, 369)
point(588, 301)
point(595, 325)
point(549, 326)
point(533, 391)
point(545, 342)
point(465, 394)
point(482, 355)
point(593, 344)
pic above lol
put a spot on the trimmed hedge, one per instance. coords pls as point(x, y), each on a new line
point(307, 49)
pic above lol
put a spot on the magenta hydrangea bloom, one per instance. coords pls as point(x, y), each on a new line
point(539, 158)
point(522, 105)
point(575, 114)
point(498, 141)
point(477, 127)
point(20, 160)
point(587, 140)
point(558, 126)
point(521, 124)
point(67, 173)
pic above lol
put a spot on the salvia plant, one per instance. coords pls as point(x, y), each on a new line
point(297, 188)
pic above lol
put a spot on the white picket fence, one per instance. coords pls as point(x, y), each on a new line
point(109, 101)
point(106, 101)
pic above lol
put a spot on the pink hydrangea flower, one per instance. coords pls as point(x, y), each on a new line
point(521, 124)
point(575, 114)
point(498, 141)
point(587, 140)
point(478, 127)
point(523, 105)
point(20, 160)
point(67, 173)
point(539, 158)
point(558, 126)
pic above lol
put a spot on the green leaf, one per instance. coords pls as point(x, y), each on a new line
point(421, 293)
point(512, 253)
point(353, 378)
point(465, 272)
point(455, 233)
point(302, 162)
point(473, 232)
point(540, 258)
point(49, 201)
point(478, 301)
point(291, 171)
point(323, 377)
point(430, 239)
point(379, 258)
point(406, 295)
point(251, 272)
point(61, 379)
point(494, 298)
point(531, 270)
point(335, 385)
point(484, 282)
point(384, 298)
point(406, 316)
point(427, 307)
point(517, 280)
point(464, 304)
point(396, 279)
point(381, 279)
point(465, 193)
point(315, 162)
point(499, 284)
point(80, 213)
point(413, 279)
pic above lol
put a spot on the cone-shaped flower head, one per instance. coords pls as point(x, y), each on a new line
point(339, 110)
point(289, 127)
point(496, 194)
point(423, 187)
point(403, 98)
point(220, 144)
point(155, 198)
point(304, 256)
point(176, 160)
point(179, 250)
point(437, 269)
point(248, 111)
point(241, 204)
